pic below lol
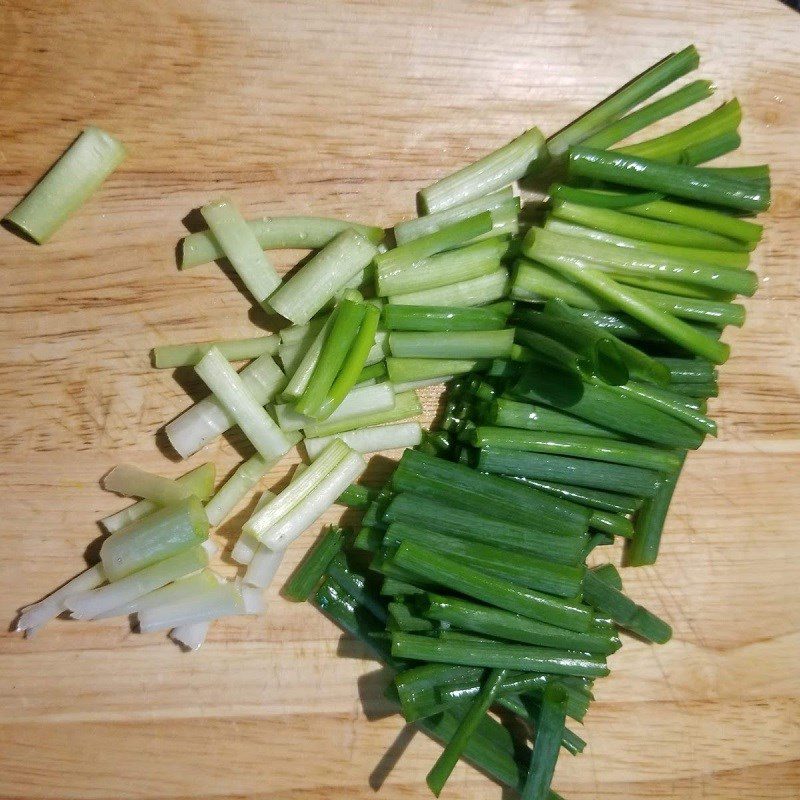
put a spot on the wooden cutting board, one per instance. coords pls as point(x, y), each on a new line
point(345, 109)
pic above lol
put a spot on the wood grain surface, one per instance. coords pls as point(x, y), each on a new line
point(345, 109)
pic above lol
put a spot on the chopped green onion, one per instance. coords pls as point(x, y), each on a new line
point(691, 183)
point(373, 372)
point(241, 248)
point(476, 292)
point(408, 370)
point(187, 355)
point(134, 482)
point(406, 404)
point(588, 447)
point(645, 85)
point(666, 401)
point(485, 653)
point(456, 345)
point(208, 419)
point(566, 469)
point(305, 369)
point(494, 171)
point(547, 743)
point(405, 232)
point(357, 496)
point(402, 619)
point(355, 584)
point(303, 334)
point(442, 769)
point(708, 149)
point(695, 389)
point(665, 106)
point(596, 499)
point(445, 318)
point(199, 482)
point(371, 440)
point(611, 524)
point(320, 279)
point(231, 391)
point(263, 566)
point(276, 233)
point(68, 184)
point(313, 567)
point(153, 538)
point(609, 574)
point(444, 571)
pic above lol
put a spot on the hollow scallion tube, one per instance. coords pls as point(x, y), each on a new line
point(475, 292)
point(596, 499)
point(566, 469)
point(721, 121)
point(248, 545)
point(442, 769)
point(442, 570)
point(632, 123)
point(696, 389)
point(645, 85)
point(357, 496)
point(276, 233)
point(589, 447)
point(406, 404)
point(609, 574)
point(153, 538)
point(231, 391)
point(372, 372)
point(320, 279)
point(457, 345)
point(509, 413)
point(348, 317)
point(68, 184)
point(547, 743)
point(623, 611)
point(707, 149)
point(186, 355)
point(408, 370)
point(494, 171)
point(627, 225)
point(371, 440)
point(562, 580)
point(89, 604)
point(667, 402)
point(199, 482)
point(131, 481)
point(419, 512)
point(463, 263)
point(305, 369)
point(690, 183)
point(206, 420)
point(350, 371)
point(311, 570)
point(689, 370)
point(445, 318)
point(240, 246)
point(405, 232)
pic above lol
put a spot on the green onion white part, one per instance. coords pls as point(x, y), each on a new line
point(187, 355)
point(241, 248)
point(199, 482)
point(131, 481)
point(380, 397)
point(249, 414)
point(199, 425)
point(223, 600)
point(371, 440)
point(68, 184)
point(475, 292)
point(315, 503)
point(455, 344)
point(318, 281)
point(38, 614)
point(247, 544)
point(494, 171)
point(294, 334)
point(263, 566)
point(192, 635)
point(301, 375)
point(88, 605)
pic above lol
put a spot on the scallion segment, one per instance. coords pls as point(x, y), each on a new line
point(308, 575)
point(187, 355)
point(457, 344)
point(371, 440)
point(445, 318)
point(546, 744)
point(475, 292)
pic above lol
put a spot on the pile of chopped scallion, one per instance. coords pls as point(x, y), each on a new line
point(578, 354)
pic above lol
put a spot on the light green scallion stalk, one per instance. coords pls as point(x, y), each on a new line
point(68, 184)
point(476, 292)
point(371, 440)
point(407, 370)
point(187, 355)
point(456, 344)
point(131, 481)
point(406, 404)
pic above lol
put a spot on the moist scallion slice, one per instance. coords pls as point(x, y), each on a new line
point(371, 440)
point(445, 318)
point(406, 404)
point(547, 743)
point(596, 499)
point(308, 575)
point(475, 292)
point(128, 480)
point(68, 184)
point(494, 171)
point(187, 355)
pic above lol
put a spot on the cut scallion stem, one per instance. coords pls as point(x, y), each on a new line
point(609, 574)
point(320, 279)
point(307, 576)
point(665, 106)
point(192, 636)
point(547, 743)
point(68, 184)
point(371, 440)
point(611, 524)
point(241, 248)
point(457, 345)
point(441, 570)
point(153, 538)
point(589, 447)
point(408, 370)
point(565, 469)
point(263, 567)
point(697, 184)
point(186, 355)
point(464, 263)
point(445, 318)
point(276, 233)
point(494, 171)
point(134, 482)
point(707, 149)
point(658, 76)
point(357, 496)
point(696, 389)
point(476, 292)
point(405, 232)
point(232, 393)
point(406, 404)
point(208, 419)
point(667, 402)
point(357, 586)
point(373, 372)
point(596, 499)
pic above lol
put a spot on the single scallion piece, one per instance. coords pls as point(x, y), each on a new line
point(707, 149)
point(547, 743)
point(131, 481)
point(371, 440)
point(408, 370)
point(609, 574)
point(494, 171)
point(476, 292)
point(445, 318)
point(68, 184)
point(596, 499)
point(456, 345)
point(406, 404)
point(309, 573)
point(187, 355)
point(357, 496)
